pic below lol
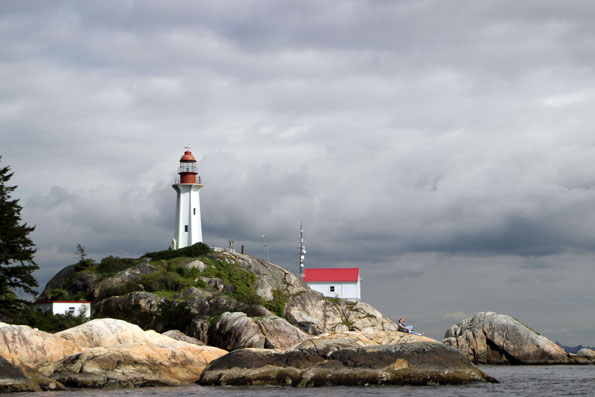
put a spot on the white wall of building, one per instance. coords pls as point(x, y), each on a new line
point(74, 308)
point(188, 229)
point(337, 289)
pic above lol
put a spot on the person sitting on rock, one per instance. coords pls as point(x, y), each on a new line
point(406, 328)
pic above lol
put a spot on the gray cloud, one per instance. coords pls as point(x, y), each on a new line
point(446, 148)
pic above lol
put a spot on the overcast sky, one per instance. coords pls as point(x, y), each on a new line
point(447, 148)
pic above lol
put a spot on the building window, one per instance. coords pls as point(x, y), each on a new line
point(332, 288)
point(193, 211)
point(71, 310)
point(186, 228)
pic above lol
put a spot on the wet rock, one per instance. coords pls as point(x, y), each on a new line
point(12, 379)
point(422, 363)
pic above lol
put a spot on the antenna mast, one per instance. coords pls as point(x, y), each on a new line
point(302, 251)
point(265, 248)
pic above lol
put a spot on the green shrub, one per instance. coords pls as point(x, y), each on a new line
point(196, 250)
point(113, 264)
point(277, 304)
point(58, 294)
point(160, 280)
point(240, 281)
point(48, 322)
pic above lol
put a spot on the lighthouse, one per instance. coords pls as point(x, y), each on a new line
point(188, 229)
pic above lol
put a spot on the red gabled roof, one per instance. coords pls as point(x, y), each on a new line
point(336, 274)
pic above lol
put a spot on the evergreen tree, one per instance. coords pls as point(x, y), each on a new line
point(16, 250)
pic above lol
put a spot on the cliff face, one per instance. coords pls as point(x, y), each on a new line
point(209, 297)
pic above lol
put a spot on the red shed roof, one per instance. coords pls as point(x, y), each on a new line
point(335, 274)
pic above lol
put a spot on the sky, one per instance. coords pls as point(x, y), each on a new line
point(446, 148)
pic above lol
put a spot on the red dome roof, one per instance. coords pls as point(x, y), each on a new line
point(188, 157)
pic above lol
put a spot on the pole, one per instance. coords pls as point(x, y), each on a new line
point(302, 251)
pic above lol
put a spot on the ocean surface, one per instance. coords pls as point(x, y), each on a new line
point(514, 381)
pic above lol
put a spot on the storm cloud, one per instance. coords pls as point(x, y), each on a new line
point(444, 147)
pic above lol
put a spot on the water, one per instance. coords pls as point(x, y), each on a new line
point(516, 381)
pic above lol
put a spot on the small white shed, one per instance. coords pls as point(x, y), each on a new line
point(335, 283)
point(75, 308)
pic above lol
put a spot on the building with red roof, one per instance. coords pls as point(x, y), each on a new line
point(334, 282)
point(75, 308)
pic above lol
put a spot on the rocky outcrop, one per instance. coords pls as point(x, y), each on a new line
point(216, 285)
point(315, 314)
point(179, 335)
point(420, 363)
point(341, 340)
point(79, 284)
point(23, 379)
point(237, 330)
point(269, 277)
point(112, 284)
point(99, 353)
point(168, 363)
point(137, 307)
point(12, 379)
point(108, 332)
point(491, 338)
point(22, 345)
point(586, 352)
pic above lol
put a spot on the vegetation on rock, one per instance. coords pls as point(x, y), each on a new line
point(196, 250)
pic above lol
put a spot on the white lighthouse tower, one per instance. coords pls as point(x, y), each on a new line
point(188, 226)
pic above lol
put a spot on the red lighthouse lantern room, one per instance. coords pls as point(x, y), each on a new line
point(187, 168)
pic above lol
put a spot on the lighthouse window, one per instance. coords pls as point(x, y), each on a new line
point(185, 228)
point(193, 211)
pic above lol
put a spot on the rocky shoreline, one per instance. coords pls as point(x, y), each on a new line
point(230, 319)
point(107, 353)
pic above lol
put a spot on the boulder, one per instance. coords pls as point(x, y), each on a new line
point(360, 316)
point(195, 264)
point(314, 314)
point(421, 363)
point(586, 352)
point(236, 330)
point(491, 338)
point(137, 307)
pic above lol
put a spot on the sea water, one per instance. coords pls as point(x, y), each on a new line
point(514, 381)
